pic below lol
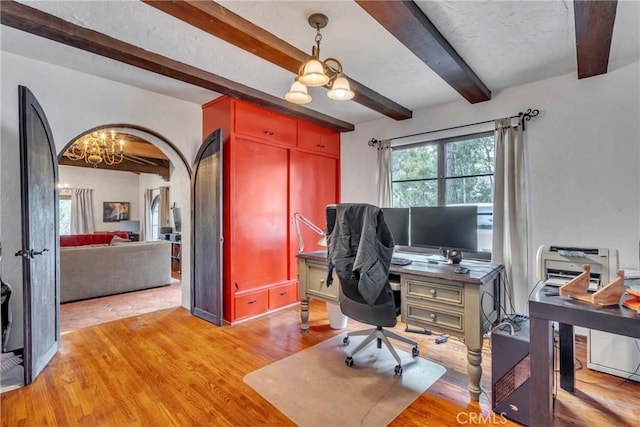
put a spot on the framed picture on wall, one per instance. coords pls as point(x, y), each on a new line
point(115, 211)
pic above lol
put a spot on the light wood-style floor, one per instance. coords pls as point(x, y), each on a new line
point(170, 368)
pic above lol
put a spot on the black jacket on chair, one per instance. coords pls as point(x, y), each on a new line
point(360, 247)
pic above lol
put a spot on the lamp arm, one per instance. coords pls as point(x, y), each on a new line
point(299, 218)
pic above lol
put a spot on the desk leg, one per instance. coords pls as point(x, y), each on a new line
point(474, 371)
point(541, 353)
point(304, 316)
point(567, 350)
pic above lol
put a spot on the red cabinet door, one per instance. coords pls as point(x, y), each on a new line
point(259, 212)
point(313, 185)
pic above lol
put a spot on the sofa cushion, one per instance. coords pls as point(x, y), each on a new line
point(89, 239)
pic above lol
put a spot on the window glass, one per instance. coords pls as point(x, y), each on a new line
point(155, 218)
point(455, 171)
point(64, 223)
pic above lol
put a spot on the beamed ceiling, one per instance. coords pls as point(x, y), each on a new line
point(399, 56)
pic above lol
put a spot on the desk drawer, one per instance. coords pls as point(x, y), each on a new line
point(429, 291)
point(282, 295)
point(317, 284)
point(415, 314)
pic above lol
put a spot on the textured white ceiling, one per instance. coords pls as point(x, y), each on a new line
point(506, 43)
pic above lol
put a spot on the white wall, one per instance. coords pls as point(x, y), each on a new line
point(73, 103)
point(583, 157)
point(108, 186)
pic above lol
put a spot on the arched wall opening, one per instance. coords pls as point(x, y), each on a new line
point(180, 189)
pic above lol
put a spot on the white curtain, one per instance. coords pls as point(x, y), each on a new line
point(510, 233)
point(383, 174)
point(82, 211)
point(163, 211)
point(146, 220)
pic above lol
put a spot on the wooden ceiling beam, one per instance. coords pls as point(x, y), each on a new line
point(406, 21)
point(126, 166)
point(141, 149)
point(34, 21)
point(234, 29)
point(594, 28)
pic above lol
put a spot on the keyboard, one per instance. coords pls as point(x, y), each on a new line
point(400, 261)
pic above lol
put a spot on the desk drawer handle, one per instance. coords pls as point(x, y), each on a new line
point(433, 316)
point(253, 301)
point(283, 293)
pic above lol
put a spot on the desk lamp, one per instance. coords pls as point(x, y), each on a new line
point(299, 218)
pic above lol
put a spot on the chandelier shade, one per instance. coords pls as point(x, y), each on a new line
point(298, 94)
point(96, 148)
point(315, 73)
point(340, 89)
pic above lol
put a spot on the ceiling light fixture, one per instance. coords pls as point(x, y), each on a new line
point(94, 148)
point(315, 73)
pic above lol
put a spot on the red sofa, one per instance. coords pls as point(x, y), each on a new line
point(89, 239)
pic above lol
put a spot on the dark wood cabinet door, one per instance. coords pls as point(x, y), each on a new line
point(40, 236)
point(206, 234)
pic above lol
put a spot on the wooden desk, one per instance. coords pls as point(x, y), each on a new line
point(568, 312)
point(433, 297)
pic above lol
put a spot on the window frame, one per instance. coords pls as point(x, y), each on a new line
point(441, 178)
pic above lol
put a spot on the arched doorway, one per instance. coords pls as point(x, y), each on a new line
point(151, 156)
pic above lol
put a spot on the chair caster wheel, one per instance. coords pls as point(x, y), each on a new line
point(398, 370)
point(349, 361)
point(345, 341)
point(415, 352)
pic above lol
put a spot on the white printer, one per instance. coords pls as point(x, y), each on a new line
point(559, 264)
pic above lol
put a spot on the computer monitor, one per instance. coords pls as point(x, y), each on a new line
point(397, 220)
point(445, 227)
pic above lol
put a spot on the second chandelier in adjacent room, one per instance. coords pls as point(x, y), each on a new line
point(315, 73)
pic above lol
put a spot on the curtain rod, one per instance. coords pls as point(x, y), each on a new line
point(526, 116)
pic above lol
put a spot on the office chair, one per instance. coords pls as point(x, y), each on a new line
point(360, 247)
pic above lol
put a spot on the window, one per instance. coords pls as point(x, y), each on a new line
point(64, 205)
point(155, 218)
point(453, 171)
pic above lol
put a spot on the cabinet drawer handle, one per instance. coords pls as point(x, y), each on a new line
point(433, 292)
point(265, 131)
point(433, 316)
point(271, 133)
point(284, 293)
point(322, 281)
point(253, 301)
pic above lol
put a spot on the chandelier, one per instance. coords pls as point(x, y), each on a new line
point(315, 73)
point(96, 148)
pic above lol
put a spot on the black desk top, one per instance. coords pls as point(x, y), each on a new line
point(480, 272)
point(564, 309)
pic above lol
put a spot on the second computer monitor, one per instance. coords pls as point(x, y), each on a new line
point(445, 227)
point(397, 220)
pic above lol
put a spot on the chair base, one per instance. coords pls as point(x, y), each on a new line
point(382, 336)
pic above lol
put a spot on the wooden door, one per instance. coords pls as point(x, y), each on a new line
point(259, 233)
point(313, 185)
point(206, 231)
point(40, 236)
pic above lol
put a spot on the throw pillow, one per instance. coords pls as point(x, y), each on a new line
point(117, 240)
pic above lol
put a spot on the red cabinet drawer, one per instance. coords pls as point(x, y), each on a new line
point(262, 123)
point(251, 304)
point(279, 296)
point(318, 138)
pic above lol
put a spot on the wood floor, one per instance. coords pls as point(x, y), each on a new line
point(170, 368)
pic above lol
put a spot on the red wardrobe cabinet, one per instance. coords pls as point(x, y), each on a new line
point(274, 165)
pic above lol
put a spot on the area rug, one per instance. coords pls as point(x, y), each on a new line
point(315, 387)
